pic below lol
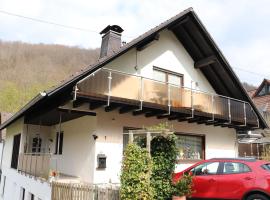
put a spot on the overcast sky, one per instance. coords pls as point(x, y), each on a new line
point(241, 28)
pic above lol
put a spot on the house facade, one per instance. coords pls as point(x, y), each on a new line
point(77, 131)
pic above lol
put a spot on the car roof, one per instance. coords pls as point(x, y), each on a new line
point(234, 159)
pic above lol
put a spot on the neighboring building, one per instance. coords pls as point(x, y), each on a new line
point(254, 144)
point(261, 98)
point(174, 72)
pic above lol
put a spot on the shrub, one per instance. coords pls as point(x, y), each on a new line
point(164, 153)
point(135, 176)
point(184, 186)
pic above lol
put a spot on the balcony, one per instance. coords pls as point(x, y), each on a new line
point(114, 89)
point(43, 166)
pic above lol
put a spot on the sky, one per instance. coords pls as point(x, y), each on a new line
point(240, 28)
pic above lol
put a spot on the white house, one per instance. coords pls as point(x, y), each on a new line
point(173, 73)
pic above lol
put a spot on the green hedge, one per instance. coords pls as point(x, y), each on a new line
point(135, 176)
point(163, 153)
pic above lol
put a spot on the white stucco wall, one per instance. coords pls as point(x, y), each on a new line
point(13, 129)
point(220, 142)
point(78, 148)
point(167, 53)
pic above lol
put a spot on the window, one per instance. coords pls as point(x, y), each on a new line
point(168, 76)
point(190, 147)
point(235, 168)
point(22, 194)
point(138, 139)
point(210, 168)
point(59, 143)
point(36, 145)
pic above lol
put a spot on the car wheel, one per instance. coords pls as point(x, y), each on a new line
point(256, 197)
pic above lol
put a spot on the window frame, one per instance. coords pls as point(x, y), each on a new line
point(223, 165)
point(219, 169)
point(179, 161)
point(168, 72)
point(59, 142)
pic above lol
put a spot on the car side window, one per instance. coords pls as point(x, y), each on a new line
point(235, 168)
point(210, 168)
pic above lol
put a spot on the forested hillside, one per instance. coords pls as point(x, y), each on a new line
point(27, 69)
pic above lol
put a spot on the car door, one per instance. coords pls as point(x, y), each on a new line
point(236, 178)
point(205, 180)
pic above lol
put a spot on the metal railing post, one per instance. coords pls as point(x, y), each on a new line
point(192, 102)
point(141, 95)
point(30, 164)
point(109, 88)
point(169, 98)
point(229, 108)
point(245, 114)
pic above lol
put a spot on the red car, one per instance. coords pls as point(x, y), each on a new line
point(225, 178)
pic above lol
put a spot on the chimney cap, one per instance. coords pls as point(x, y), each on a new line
point(114, 28)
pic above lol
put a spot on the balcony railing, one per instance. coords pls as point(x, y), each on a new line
point(115, 86)
point(35, 164)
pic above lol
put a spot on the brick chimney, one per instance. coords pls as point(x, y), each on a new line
point(111, 40)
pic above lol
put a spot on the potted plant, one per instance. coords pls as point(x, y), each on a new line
point(183, 187)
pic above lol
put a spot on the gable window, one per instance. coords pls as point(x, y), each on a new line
point(168, 76)
point(190, 147)
point(59, 143)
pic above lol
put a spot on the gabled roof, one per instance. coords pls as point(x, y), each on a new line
point(191, 33)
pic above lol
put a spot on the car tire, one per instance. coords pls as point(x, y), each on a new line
point(257, 197)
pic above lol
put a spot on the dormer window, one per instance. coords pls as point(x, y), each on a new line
point(265, 90)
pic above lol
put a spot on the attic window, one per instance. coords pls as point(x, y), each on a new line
point(265, 90)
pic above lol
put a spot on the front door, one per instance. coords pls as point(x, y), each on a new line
point(15, 151)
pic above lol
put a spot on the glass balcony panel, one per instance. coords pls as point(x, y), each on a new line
point(126, 87)
point(221, 108)
point(202, 103)
point(155, 92)
point(237, 111)
point(251, 116)
point(186, 98)
point(96, 84)
point(176, 97)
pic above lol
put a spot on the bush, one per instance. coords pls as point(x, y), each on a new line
point(184, 186)
point(164, 153)
point(135, 176)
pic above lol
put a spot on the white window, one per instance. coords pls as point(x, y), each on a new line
point(167, 76)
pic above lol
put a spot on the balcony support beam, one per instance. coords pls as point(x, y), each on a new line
point(205, 62)
point(155, 113)
point(126, 109)
point(141, 112)
point(96, 104)
point(111, 107)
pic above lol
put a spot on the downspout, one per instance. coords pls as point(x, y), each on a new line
point(2, 153)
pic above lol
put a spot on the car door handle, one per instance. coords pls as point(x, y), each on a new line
point(248, 178)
